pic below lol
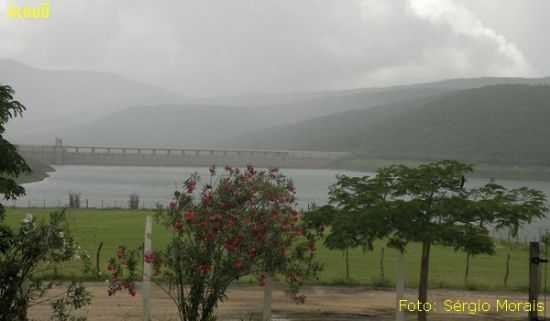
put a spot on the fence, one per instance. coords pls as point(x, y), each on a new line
point(86, 203)
point(95, 203)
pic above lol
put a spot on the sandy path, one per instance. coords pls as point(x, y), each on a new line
point(322, 303)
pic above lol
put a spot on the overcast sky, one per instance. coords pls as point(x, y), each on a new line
point(221, 47)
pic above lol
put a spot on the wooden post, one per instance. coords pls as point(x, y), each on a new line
point(147, 251)
point(534, 278)
point(400, 286)
point(268, 289)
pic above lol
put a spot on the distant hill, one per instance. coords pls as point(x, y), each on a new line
point(207, 125)
point(498, 124)
point(58, 99)
point(104, 109)
point(186, 125)
point(222, 122)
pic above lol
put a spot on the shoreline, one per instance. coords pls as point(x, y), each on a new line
point(489, 171)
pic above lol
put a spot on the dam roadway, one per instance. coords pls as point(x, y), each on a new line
point(150, 156)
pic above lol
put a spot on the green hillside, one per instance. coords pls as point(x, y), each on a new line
point(501, 124)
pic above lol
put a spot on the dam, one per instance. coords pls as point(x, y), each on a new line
point(60, 154)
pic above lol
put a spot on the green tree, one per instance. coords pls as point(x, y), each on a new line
point(430, 205)
point(11, 163)
point(34, 246)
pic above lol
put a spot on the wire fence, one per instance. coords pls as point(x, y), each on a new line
point(87, 203)
point(94, 203)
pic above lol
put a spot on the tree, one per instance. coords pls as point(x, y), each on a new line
point(34, 245)
point(245, 224)
point(349, 198)
point(11, 163)
point(431, 205)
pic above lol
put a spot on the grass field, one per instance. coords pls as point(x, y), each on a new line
point(125, 227)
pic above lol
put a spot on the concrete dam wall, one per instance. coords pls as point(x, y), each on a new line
point(137, 156)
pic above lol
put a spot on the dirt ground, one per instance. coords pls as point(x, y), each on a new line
point(322, 304)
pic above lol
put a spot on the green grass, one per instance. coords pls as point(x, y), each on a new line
point(125, 227)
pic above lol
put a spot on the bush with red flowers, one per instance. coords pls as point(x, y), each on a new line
point(246, 223)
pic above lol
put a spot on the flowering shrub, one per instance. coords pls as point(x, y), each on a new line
point(36, 247)
point(244, 224)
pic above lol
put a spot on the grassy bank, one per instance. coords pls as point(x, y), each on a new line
point(39, 171)
point(116, 227)
point(480, 169)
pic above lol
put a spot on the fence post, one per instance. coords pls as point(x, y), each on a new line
point(268, 288)
point(534, 278)
point(400, 286)
point(147, 252)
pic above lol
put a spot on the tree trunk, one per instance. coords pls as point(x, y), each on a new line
point(268, 289)
point(347, 263)
point(423, 282)
point(400, 286)
point(507, 273)
point(382, 276)
point(467, 270)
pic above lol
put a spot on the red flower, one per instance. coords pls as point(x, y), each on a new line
point(207, 197)
point(237, 264)
point(120, 252)
point(148, 258)
point(172, 204)
point(252, 252)
point(189, 215)
point(190, 184)
point(205, 268)
point(178, 225)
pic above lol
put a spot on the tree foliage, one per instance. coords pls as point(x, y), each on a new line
point(11, 163)
point(429, 204)
point(34, 246)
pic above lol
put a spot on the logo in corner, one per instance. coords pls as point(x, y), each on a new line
point(41, 11)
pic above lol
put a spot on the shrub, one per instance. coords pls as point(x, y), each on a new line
point(246, 224)
point(35, 246)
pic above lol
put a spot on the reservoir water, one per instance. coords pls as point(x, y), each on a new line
point(102, 186)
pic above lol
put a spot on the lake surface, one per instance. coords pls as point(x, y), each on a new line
point(106, 187)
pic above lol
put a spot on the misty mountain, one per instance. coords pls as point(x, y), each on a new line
point(189, 125)
point(58, 99)
point(104, 109)
point(497, 124)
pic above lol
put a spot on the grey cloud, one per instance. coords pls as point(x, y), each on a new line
point(207, 47)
